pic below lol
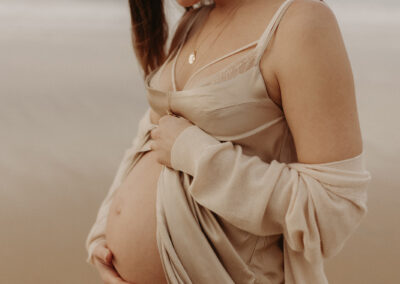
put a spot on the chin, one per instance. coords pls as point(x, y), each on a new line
point(187, 3)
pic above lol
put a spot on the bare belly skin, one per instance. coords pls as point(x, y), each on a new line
point(131, 225)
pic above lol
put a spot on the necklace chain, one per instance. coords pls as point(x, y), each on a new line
point(193, 55)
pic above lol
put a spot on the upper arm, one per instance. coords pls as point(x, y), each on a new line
point(316, 84)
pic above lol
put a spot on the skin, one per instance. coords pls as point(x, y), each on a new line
point(309, 74)
point(306, 70)
point(103, 263)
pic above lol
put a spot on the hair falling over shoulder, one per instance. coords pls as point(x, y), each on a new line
point(150, 32)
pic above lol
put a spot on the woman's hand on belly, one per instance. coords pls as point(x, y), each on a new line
point(163, 136)
point(103, 262)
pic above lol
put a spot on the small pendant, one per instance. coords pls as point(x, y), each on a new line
point(192, 57)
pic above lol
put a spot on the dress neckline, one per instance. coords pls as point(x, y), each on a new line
point(175, 59)
point(182, 43)
point(261, 44)
point(200, 87)
point(174, 90)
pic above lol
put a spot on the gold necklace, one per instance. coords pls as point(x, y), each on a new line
point(193, 55)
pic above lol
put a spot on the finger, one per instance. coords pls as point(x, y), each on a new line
point(154, 132)
point(153, 145)
point(163, 117)
point(103, 253)
point(112, 276)
point(108, 274)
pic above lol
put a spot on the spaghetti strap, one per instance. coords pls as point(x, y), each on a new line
point(260, 43)
point(270, 30)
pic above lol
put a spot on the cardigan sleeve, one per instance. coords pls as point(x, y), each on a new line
point(315, 206)
point(97, 231)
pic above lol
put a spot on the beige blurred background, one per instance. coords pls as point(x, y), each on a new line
point(71, 95)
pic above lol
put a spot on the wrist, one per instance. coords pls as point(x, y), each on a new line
point(188, 147)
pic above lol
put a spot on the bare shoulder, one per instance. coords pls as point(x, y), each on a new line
point(309, 12)
point(307, 20)
point(316, 85)
point(308, 28)
point(309, 41)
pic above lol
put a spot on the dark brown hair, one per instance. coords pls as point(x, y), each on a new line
point(150, 32)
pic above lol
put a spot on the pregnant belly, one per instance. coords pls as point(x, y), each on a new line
point(131, 225)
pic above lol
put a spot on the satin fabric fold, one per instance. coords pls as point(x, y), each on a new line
point(215, 224)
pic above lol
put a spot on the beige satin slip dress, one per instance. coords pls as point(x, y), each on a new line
point(236, 206)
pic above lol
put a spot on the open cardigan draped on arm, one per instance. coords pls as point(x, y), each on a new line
point(316, 207)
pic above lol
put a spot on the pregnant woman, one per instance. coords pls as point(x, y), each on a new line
point(248, 165)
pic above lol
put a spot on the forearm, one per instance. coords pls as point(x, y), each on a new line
point(315, 206)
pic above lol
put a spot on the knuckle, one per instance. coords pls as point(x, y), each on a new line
point(164, 117)
point(154, 132)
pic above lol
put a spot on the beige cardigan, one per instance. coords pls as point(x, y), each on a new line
point(232, 196)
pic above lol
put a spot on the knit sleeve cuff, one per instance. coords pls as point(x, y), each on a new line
point(188, 147)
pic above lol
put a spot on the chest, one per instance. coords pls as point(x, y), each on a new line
point(217, 73)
